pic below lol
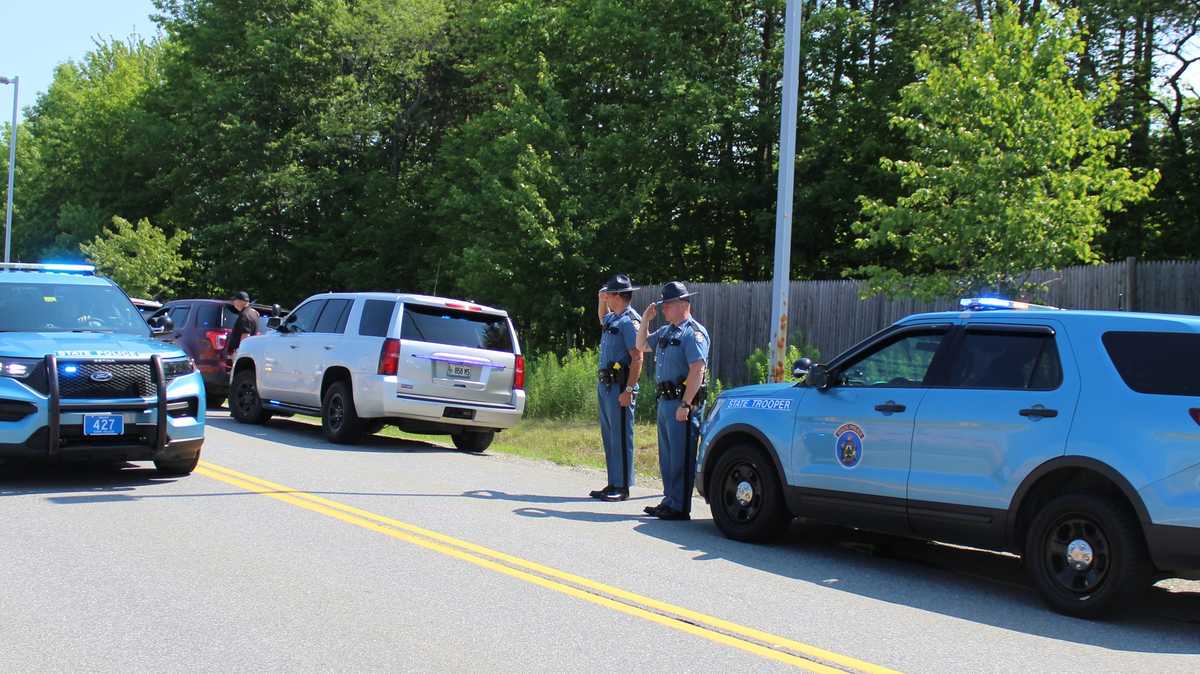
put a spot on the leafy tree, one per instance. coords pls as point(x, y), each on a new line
point(142, 259)
point(300, 131)
point(95, 154)
point(1010, 171)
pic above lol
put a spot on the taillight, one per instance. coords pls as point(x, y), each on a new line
point(389, 356)
point(519, 373)
point(218, 338)
point(1195, 411)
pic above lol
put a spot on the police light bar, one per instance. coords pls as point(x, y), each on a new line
point(66, 268)
point(996, 303)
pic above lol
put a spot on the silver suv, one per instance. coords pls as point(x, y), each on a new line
point(365, 360)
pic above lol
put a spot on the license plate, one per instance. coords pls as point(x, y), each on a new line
point(103, 424)
point(458, 371)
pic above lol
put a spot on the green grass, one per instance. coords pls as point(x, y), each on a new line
point(567, 443)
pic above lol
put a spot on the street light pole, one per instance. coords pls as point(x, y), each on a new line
point(783, 206)
point(12, 162)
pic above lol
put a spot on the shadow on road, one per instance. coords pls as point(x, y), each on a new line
point(974, 585)
point(308, 436)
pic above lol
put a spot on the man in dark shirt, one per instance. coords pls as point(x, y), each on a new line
point(247, 322)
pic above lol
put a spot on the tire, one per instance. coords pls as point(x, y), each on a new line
point(473, 441)
point(746, 496)
point(339, 418)
point(1113, 549)
point(178, 467)
point(244, 402)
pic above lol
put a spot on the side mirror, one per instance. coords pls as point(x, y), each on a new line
point(276, 323)
point(801, 367)
point(161, 324)
point(818, 377)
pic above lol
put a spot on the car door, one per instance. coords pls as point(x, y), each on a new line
point(1006, 407)
point(317, 350)
point(281, 378)
point(852, 443)
point(178, 334)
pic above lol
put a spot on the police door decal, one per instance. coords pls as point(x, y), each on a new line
point(848, 449)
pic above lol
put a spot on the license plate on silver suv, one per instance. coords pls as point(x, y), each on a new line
point(458, 371)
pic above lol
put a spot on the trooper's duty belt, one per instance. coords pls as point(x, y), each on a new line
point(614, 373)
point(670, 390)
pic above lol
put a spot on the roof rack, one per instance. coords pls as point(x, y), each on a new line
point(996, 304)
point(85, 269)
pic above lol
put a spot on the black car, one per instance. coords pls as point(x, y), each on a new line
point(202, 328)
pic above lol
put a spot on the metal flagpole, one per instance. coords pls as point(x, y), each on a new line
point(783, 207)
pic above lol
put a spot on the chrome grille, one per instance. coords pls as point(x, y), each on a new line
point(128, 380)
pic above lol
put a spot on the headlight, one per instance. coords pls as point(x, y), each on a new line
point(18, 368)
point(178, 367)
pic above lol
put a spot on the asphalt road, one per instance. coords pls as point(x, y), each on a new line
point(286, 553)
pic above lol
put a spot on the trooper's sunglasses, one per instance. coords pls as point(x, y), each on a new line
point(664, 341)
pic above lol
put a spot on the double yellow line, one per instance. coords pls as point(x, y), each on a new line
point(714, 629)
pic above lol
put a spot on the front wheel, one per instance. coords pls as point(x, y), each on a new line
point(177, 467)
point(1086, 555)
point(746, 497)
point(244, 401)
point(472, 441)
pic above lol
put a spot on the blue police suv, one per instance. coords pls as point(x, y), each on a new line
point(82, 378)
point(1071, 438)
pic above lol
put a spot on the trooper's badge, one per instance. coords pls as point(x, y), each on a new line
point(848, 449)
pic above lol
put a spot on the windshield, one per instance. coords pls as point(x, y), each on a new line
point(48, 307)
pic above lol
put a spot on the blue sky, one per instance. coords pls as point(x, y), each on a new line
point(37, 35)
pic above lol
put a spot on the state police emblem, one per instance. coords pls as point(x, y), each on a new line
point(848, 449)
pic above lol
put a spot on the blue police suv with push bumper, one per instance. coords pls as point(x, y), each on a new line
point(81, 377)
point(1071, 438)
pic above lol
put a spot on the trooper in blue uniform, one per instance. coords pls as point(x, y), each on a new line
point(680, 361)
point(620, 367)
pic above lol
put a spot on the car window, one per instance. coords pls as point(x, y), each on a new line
point(1162, 363)
point(208, 315)
point(1006, 360)
point(67, 307)
point(900, 362)
point(333, 318)
point(304, 319)
point(179, 316)
point(376, 318)
point(440, 325)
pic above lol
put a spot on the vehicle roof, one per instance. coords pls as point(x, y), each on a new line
point(213, 300)
point(53, 277)
point(1066, 316)
point(411, 297)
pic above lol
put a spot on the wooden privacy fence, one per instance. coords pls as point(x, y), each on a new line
point(831, 317)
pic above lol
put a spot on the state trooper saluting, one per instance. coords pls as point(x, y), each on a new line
point(680, 361)
point(620, 367)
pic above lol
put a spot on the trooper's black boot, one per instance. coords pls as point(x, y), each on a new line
point(665, 513)
point(653, 510)
point(614, 494)
point(599, 493)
